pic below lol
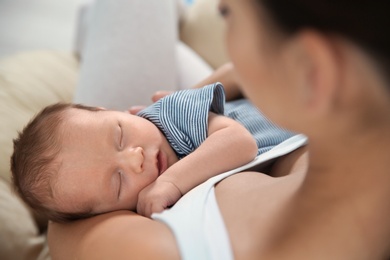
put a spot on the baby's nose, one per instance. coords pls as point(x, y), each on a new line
point(135, 159)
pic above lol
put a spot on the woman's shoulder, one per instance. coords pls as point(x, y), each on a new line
point(115, 235)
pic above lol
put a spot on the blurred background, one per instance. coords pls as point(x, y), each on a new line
point(37, 24)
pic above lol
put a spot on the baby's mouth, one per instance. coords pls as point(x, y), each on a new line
point(161, 163)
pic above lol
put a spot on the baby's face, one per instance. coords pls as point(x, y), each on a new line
point(106, 159)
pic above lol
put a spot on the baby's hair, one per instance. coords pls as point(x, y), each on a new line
point(34, 160)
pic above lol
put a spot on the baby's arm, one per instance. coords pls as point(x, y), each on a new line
point(228, 146)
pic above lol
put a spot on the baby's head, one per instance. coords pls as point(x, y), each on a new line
point(73, 161)
point(34, 161)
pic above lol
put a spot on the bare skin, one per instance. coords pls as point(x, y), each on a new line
point(330, 201)
point(255, 231)
point(127, 227)
point(110, 161)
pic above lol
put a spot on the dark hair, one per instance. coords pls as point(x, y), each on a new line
point(365, 22)
point(33, 162)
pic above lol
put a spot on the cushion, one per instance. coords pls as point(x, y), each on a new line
point(202, 29)
point(19, 235)
point(29, 82)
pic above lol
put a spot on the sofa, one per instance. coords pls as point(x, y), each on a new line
point(30, 81)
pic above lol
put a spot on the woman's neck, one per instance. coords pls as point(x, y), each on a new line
point(352, 174)
point(352, 155)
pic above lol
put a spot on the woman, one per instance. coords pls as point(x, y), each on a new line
point(316, 67)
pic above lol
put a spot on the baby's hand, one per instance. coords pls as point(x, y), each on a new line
point(156, 197)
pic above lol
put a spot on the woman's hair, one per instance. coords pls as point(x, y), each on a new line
point(33, 162)
point(365, 22)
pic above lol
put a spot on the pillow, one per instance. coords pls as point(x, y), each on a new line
point(19, 236)
point(29, 82)
point(202, 29)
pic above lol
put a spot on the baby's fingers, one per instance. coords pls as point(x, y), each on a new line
point(153, 208)
point(135, 109)
point(160, 94)
point(147, 209)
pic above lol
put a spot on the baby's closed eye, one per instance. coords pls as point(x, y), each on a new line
point(120, 137)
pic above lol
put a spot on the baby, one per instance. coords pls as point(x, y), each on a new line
point(73, 161)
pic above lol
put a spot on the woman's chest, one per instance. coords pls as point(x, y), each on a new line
point(252, 204)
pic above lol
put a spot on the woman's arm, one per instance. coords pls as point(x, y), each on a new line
point(227, 76)
point(115, 235)
point(224, 74)
point(228, 146)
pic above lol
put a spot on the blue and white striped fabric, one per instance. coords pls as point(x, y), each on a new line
point(183, 118)
point(266, 133)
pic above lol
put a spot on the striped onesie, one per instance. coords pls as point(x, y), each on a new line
point(183, 118)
